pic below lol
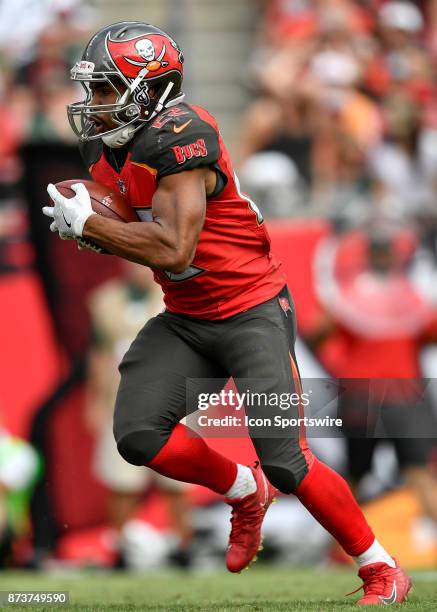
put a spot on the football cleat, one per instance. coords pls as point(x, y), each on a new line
point(383, 585)
point(246, 520)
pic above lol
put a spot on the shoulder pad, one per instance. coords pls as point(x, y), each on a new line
point(177, 140)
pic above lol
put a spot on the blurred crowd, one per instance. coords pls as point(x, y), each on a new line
point(344, 118)
point(37, 50)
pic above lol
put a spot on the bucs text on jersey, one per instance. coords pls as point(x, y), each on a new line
point(233, 268)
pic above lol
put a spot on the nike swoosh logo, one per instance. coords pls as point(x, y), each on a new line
point(66, 222)
point(181, 127)
point(387, 601)
point(266, 492)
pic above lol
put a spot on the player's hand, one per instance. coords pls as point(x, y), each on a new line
point(49, 211)
point(69, 214)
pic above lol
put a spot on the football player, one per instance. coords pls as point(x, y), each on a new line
point(228, 311)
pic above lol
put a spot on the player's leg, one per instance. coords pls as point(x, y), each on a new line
point(151, 401)
point(422, 480)
point(412, 427)
point(360, 445)
point(258, 348)
point(359, 455)
point(259, 344)
point(414, 456)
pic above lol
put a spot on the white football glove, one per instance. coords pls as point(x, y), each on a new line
point(69, 214)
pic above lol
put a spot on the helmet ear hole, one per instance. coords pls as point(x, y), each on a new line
point(131, 112)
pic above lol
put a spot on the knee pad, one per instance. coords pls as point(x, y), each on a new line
point(140, 447)
point(286, 478)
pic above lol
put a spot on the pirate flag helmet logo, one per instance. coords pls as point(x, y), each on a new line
point(142, 64)
point(154, 54)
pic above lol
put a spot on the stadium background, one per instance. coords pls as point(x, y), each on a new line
point(319, 88)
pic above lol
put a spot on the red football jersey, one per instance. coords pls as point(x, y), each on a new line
point(233, 268)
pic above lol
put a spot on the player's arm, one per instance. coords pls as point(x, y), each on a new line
point(169, 241)
point(324, 328)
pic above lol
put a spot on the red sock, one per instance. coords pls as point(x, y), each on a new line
point(327, 496)
point(187, 457)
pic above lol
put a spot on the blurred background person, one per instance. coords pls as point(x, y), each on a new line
point(382, 322)
point(119, 309)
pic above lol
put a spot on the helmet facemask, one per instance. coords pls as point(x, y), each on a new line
point(124, 112)
point(133, 106)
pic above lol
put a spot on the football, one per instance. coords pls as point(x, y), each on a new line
point(104, 201)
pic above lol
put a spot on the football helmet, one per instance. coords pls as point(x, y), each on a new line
point(142, 64)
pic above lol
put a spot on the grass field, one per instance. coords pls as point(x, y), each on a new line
point(261, 588)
